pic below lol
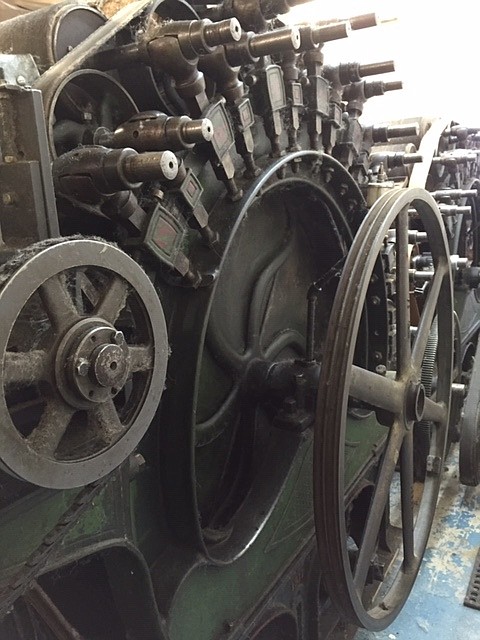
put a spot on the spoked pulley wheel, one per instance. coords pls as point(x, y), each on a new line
point(370, 572)
point(83, 359)
point(469, 459)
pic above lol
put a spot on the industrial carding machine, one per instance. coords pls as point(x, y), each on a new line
point(239, 328)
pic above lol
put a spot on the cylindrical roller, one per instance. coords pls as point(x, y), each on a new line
point(326, 33)
point(92, 170)
point(394, 159)
point(376, 68)
point(153, 165)
point(264, 44)
point(454, 193)
point(412, 158)
point(454, 159)
point(384, 133)
point(218, 33)
point(367, 90)
point(453, 210)
point(395, 85)
point(50, 33)
point(363, 21)
point(200, 130)
point(155, 131)
point(416, 237)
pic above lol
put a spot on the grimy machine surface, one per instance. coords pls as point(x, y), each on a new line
point(238, 328)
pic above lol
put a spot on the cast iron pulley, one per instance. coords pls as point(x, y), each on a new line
point(469, 460)
point(399, 511)
point(83, 360)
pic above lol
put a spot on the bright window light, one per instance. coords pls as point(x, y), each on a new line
point(435, 48)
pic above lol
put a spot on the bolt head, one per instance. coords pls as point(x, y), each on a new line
point(21, 80)
point(118, 337)
point(82, 366)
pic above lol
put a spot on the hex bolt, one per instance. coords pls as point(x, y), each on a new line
point(117, 337)
point(381, 369)
point(82, 366)
point(21, 80)
point(7, 198)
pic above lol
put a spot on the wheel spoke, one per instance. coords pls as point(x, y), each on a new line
point(426, 319)
point(377, 505)
point(288, 338)
point(223, 353)
point(141, 357)
point(114, 300)
point(55, 419)
point(24, 368)
point(57, 301)
point(86, 288)
point(402, 294)
point(259, 302)
point(106, 421)
point(435, 411)
point(406, 480)
point(223, 414)
point(379, 391)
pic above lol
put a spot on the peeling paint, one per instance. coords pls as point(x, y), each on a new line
point(435, 606)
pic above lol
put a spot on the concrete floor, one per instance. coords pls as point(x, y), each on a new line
point(435, 608)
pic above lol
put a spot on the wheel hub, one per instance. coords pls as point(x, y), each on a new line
point(92, 363)
point(414, 402)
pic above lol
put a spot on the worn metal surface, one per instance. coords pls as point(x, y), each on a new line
point(436, 604)
point(399, 393)
point(232, 169)
point(83, 358)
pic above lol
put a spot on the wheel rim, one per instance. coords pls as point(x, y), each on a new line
point(93, 365)
point(400, 397)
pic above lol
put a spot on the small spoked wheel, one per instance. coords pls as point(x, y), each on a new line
point(370, 570)
point(83, 359)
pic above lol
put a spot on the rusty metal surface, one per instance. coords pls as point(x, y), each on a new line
point(227, 159)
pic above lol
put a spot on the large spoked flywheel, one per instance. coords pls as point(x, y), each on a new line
point(369, 570)
point(83, 354)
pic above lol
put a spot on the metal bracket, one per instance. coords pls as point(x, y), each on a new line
point(472, 599)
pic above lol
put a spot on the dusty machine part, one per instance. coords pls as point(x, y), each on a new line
point(245, 234)
point(155, 131)
point(449, 172)
point(403, 399)
point(95, 389)
point(83, 102)
point(50, 33)
point(256, 371)
point(470, 432)
point(27, 206)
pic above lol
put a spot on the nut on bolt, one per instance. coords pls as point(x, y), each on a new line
point(82, 366)
point(117, 337)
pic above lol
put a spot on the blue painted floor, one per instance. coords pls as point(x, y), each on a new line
point(435, 607)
